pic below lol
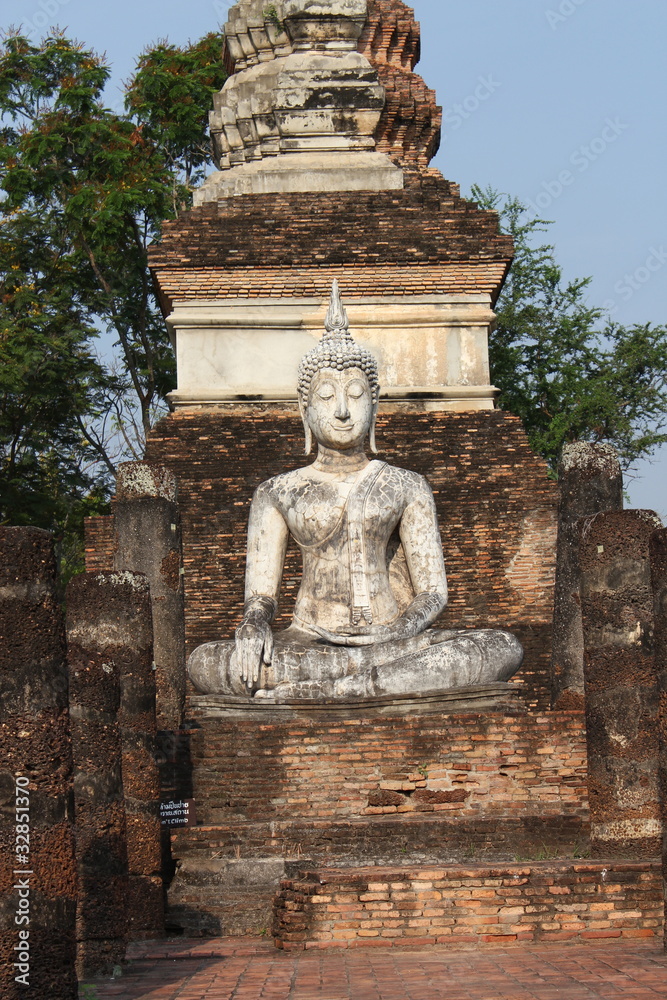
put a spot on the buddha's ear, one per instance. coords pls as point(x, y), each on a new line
point(306, 428)
point(371, 434)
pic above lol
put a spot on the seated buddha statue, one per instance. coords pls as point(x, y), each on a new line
point(374, 578)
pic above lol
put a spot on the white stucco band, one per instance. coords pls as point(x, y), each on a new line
point(301, 172)
point(433, 347)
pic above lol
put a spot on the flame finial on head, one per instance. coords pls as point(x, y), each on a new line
point(336, 324)
point(337, 350)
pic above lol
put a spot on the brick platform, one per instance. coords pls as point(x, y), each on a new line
point(490, 767)
point(469, 905)
point(397, 790)
point(236, 969)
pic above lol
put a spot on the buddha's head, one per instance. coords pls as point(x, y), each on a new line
point(338, 387)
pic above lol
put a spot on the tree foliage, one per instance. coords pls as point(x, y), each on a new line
point(560, 365)
point(170, 96)
point(85, 190)
point(48, 378)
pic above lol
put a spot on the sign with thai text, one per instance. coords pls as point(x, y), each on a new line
point(178, 813)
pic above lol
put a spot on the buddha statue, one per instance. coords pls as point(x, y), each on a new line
point(374, 578)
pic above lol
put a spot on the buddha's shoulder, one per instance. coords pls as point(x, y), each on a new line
point(408, 481)
point(283, 484)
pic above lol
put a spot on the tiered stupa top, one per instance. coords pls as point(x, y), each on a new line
point(321, 96)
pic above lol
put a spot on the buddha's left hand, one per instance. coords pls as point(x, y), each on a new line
point(368, 635)
point(421, 613)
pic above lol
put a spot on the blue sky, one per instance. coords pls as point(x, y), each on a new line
point(560, 102)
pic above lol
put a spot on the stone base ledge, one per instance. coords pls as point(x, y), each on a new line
point(469, 905)
point(499, 697)
point(304, 172)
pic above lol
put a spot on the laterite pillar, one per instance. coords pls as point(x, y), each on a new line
point(37, 864)
point(590, 481)
point(621, 689)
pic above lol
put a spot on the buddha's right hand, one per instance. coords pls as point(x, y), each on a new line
point(254, 647)
point(254, 641)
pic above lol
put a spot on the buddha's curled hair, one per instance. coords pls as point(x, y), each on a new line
point(337, 350)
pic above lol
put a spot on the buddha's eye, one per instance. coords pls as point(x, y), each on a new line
point(326, 391)
point(356, 390)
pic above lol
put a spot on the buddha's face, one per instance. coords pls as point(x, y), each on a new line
point(340, 408)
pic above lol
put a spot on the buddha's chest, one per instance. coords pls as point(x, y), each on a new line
point(320, 512)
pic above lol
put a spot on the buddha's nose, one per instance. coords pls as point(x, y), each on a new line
point(342, 409)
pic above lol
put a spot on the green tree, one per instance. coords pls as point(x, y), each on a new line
point(170, 96)
point(49, 379)
point(85, 190)
point(560, 365)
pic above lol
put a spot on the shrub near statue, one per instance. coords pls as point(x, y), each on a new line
point(374, 576)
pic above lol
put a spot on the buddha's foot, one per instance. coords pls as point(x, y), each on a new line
point(432, 663)
point(463, 659)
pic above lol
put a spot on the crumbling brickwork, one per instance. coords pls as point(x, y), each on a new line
point(465, 766)
point(409, 128)
point(409, 242)
point(99, 543)
point(469, 905)
point(433, 788)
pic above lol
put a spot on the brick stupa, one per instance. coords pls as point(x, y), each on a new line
point(323, 135)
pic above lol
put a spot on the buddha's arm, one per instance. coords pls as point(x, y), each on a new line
point(420, 537)
point(267, 544)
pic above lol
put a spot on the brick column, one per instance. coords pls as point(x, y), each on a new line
point(590, 481)
point(659, 581)
point(621, 690)
point(141, 780)
point(37, 834)
point(148, 540)
point(100, 613)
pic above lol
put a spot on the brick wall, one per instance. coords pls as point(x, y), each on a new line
point(409, 129)
point(490, 767)
point(357, 279)
point(423, 237)
point(472, 905)
point(99, 543)
point(495, 503)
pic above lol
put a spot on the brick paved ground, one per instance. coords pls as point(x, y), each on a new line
point(249, 969)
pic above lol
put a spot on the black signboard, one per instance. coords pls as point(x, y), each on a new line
point(178, 813)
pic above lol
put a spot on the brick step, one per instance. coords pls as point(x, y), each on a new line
point(227, 877)
point(390, 839)
point(461, 905)
point(211, 896)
